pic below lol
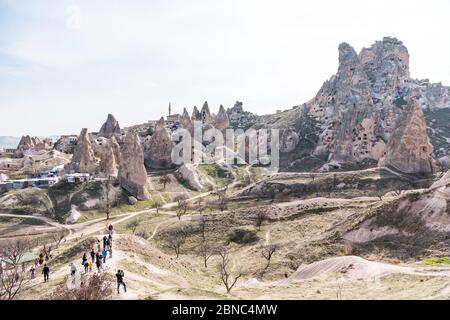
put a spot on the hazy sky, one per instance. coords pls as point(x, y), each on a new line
point(66, 64)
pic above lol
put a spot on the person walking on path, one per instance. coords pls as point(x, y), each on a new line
point(46, 272)
point(32, 271)
point(120, 275)
point(98, 262)
point(90, 265)
point(86, 266)
point(84, 259)
point(105, 240)
point(99, 247)
point(104, 254)
point(93, 255)
point(110, 229)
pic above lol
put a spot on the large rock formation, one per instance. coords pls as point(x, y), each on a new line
point(132, 173)
point(108, 150)
point(206, 114)
point(409, 149)
point(185, 119)
point(29, 144)
point(221, 122)
point(188, 174)
point(83, 160)
point(240, 119)
point(196, 115)
point(158, 150)
point(110, 127)
point(352, 118)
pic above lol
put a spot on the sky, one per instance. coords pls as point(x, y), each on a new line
point(66, 64)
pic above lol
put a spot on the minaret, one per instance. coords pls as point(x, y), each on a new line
point(170, 109)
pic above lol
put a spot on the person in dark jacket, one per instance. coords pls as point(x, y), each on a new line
point(119, 275)
point(46, 272)
point(84, 259)
point(93, 255)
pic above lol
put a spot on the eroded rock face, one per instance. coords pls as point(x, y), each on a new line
point(240, 119)
point(132, 174)
point(108, 151)
point(158, 150)
point(83, 160)
point(196, 115)
point(206, 114)
point(189, 175)
point(221, 122)
point(409, 149)
point(289, 140)
point(66, 144)
point(28, 143)
point(186, 119)
point(356, 111)
point(110, 128)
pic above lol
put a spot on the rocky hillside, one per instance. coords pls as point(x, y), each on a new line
point(354, 115)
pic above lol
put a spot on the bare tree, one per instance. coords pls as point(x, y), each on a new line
point(95, 287)
point(202, 226)
point(224, 270)
point(176, 239)
point(157, 205)
point(12, 268)
point(133, 225)
point(58, 237)
point(107, 195)
point(182, 205)
point(206, 251)
point(267, 252)
point(222, 199)
point(260, 217)
point(164, 180)
point(379, 193)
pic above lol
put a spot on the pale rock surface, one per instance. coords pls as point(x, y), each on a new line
point(132, 173)
point(158, 150)
point(110, 128)
point(190, 176)
point(84, 160)
point(409, 149)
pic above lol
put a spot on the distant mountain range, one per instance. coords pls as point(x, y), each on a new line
point(12, 142)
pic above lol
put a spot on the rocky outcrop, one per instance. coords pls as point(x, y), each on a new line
point(409, 149)
point(196, 115)
point(185, 119)
point(353, 116)
point(132, 174)
point(28, 143)
point(66, 144)
point(158, 150)
point(109, 153)
point(206, 114)
point(240, 119)
point(221, 122)
point(109, 128)
point(188, 174)
point(83, 160)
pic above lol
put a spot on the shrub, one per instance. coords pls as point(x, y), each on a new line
point(243, 236)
